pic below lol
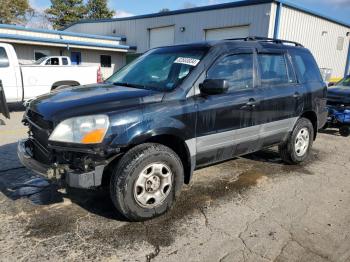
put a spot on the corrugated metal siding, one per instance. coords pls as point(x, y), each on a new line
point(307, 30)
point(44, 35)
point(272, 20)
point(137, 31)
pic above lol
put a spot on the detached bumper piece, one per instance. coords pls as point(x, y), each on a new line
point(72, 178)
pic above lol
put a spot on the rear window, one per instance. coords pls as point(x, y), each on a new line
point(306, 66)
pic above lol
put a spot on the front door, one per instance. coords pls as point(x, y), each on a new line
point(225, 126)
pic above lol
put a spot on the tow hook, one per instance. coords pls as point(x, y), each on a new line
point(56, 172)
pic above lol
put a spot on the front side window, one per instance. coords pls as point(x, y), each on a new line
point(4, 61)
point(236, 69)
point(274, 70)
point(161, 69)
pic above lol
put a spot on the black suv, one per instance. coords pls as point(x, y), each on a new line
point(175, 109)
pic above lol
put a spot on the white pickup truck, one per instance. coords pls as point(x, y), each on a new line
point(54, 60)
point(23, 82)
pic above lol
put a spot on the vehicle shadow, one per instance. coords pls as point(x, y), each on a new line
point(16, 182)
point(270, 155)
point(328, 131)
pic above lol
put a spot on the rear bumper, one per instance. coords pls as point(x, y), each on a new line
point(71, 178)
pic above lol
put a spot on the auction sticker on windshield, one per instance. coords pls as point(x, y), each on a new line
point(187, 61)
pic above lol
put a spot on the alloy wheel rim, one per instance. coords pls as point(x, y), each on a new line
point(302, 141)
point(153, 185)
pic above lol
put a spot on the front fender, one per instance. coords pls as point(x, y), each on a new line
point(144, 129)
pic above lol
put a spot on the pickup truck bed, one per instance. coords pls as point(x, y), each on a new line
point(23, 82)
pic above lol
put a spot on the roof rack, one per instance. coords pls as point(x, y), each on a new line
point(266, 39)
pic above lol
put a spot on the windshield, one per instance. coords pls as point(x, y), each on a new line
point(38, 62)
point(344, 82)
point(161, 69)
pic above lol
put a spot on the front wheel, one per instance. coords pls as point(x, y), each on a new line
point(146, 181)
point(298, 146)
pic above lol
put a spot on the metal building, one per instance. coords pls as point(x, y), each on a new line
point(326, 37)
point(85, 49)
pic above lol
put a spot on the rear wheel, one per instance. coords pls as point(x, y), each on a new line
point(297, 148)
point(146, 181)
point(344, 131)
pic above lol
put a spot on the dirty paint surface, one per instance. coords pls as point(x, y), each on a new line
point(253, 208)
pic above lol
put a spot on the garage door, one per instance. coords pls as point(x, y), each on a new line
point(161, 36)
point(227, 33)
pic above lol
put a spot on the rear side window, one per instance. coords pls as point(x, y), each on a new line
point(306, 67)
point(4, 61)
point(236, 69)
point(64, 61)
point(275, 70)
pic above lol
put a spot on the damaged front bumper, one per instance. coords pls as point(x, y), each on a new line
point(62, 173)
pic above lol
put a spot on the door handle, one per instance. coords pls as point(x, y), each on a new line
point(251, 104)
point(297, 95)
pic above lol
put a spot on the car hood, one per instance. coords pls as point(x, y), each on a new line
point(91, 99)
point(339, 95)
point(341, 90)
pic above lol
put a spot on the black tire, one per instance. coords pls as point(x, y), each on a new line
point(127, 171)
point(288, 150)
point(344, 131)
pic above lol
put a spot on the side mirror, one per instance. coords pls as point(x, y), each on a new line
point(331, 84)
point(214, 86)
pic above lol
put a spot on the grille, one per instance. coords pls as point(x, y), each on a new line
point(39, 120)
point(40, 131)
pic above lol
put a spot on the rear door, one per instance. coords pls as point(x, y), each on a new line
point(225, 126)
point(279, 109)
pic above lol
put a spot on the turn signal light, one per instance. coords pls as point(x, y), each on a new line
point(94, 137)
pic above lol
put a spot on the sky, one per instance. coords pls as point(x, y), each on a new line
point(338, 9)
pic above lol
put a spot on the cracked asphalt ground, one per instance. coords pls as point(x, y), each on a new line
point(253, 208)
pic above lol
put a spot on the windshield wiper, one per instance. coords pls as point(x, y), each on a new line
point(129, 85)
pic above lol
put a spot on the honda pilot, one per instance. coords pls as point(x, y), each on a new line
point(175, 109)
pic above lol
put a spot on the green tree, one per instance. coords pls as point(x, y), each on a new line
point(98, 9)
point(64, 12)
point(15, 11)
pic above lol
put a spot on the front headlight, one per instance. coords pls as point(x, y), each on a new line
point(81, 130)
